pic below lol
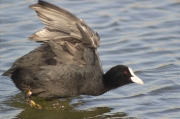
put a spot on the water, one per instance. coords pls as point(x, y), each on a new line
point(144, 35)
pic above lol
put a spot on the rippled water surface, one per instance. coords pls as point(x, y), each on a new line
point(142, 34)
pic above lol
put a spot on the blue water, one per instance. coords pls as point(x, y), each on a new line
point(142, 34)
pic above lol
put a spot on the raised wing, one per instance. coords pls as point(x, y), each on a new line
point(62, 24)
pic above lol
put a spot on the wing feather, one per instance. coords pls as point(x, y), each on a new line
point(68, 36)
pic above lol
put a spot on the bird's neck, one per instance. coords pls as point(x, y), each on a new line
point(109, 82)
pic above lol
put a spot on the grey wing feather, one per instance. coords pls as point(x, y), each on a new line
point(59, 23)
point(62, 24)
point(68, 54)
point(68, 36)
point(61, 55)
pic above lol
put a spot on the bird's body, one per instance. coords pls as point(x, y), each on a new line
point(44, 75)
point(67, 63)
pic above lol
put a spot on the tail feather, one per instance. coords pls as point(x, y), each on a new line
point(8, 72)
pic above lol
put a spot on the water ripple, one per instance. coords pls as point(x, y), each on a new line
point(141, 34)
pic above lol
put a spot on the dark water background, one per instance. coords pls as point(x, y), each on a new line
point(142, 34)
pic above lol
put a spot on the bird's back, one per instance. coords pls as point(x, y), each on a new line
point(49, 78)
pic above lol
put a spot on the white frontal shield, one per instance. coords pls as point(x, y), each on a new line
point(134, 78)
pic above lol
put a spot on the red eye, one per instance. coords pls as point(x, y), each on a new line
point(125, 72)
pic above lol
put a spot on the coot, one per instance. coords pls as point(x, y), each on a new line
point(67, 63)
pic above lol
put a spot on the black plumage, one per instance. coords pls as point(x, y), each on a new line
point(67, 63)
